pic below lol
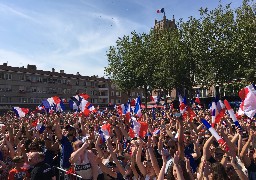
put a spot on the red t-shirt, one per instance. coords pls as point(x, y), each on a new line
point(16, 174)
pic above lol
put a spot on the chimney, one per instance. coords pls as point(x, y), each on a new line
point(53, 70)
point(31, 67)
point(61, 71)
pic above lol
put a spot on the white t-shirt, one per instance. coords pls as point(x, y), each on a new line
point(83, 167)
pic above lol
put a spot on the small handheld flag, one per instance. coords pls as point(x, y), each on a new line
point(232, 114)
point(215, 134)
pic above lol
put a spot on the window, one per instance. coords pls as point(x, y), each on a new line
point(1, 75)
point(112, 101)
point(28, 78)
point(6, 99)
point(204, 92)
point(22, 77)
point(118, 101)
point(33, 79)
point(118, 93)
point(33, 89)
point(8, 76)
point(112, 93)
point(39, 79)
point(24, 100)
point(133, 93)
point(21, 88)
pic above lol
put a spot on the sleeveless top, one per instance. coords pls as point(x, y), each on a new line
point(83, 167)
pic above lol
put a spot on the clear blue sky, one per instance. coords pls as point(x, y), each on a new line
point(74, 35)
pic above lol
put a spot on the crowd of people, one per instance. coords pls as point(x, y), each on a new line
point(172, 147)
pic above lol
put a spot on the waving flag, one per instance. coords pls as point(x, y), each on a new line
point(85, 96)
point(182, 104)
point(215, 134)
point(40, 107)
point(77, 99)
point(232, 114)
point(156, 132)
point(20, 112)
point(138, 129)
point(197, 100)
point(214, 110)
point(160, 10)
point(73, 105)
point(155, 99)
point(248, 105)
point(53, 104)
point(220, 111)
point(105, 129)
point(137, 109)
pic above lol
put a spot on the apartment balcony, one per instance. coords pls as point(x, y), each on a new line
point(103, 97)
point(103, 89)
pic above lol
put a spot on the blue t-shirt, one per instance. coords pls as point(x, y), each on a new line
point(189, 150)
point(66, 151)
point(1, 156)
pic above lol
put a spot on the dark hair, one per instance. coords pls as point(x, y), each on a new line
point(219, 172)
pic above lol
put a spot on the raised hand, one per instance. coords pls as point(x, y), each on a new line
point(176, 157)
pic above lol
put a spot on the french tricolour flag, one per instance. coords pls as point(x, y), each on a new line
point(215, 134)
point(105, 130)
point(218, 111)
point(182, 104)
point(137, 108)
point(72, 105)
point(138, 129)
point(160, 10)
point(156, 132)
point(20, 112)
point(197, 100)
point(248, 105)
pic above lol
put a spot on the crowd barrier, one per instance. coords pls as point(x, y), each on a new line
point(62, 174)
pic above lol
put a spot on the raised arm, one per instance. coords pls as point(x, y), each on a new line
point(113, 155)
point(206, 148)
point(94, 164)
point(57, 128)
point(246, 160)
point(181, 138)
point(162, 171)
point(141, 167)
point(153, 157)
point(75, 155)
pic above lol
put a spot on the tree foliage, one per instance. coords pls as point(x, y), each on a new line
point(215, 48)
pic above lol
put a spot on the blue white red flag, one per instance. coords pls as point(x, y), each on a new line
point(20, 112)
point(160, 10)
point(248, 105)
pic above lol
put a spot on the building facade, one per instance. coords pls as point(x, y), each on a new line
point(27, 87)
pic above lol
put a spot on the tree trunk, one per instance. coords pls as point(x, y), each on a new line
point(146, 96)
